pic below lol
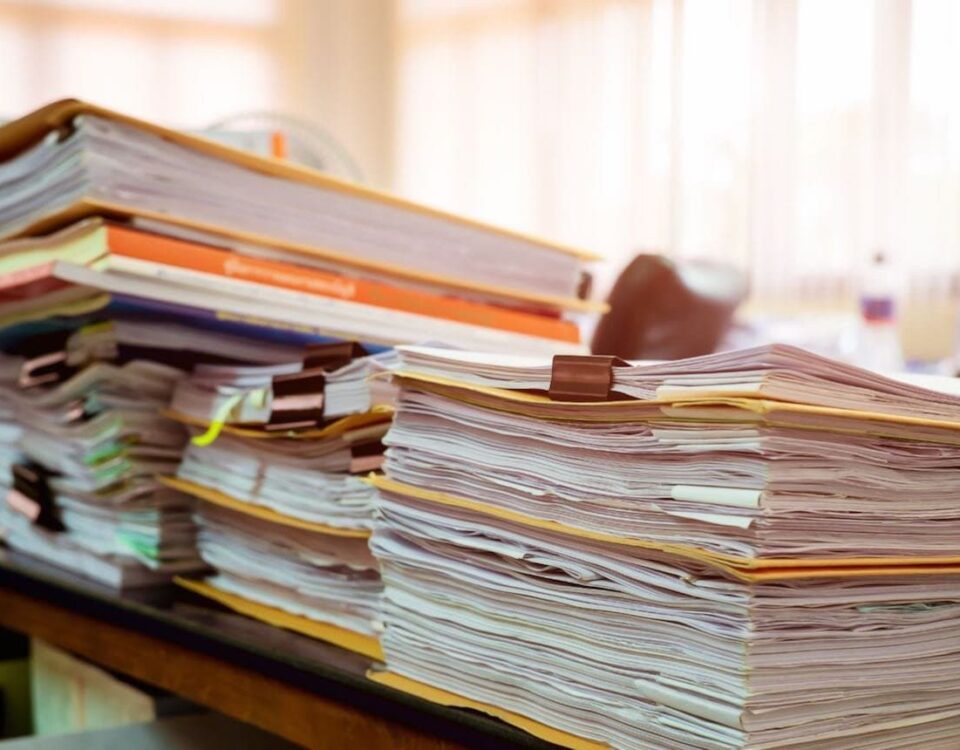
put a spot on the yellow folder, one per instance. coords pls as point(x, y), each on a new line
point(380, 414)
point(257, 511)
point(744, 568)
point(348, 639)
point(719, 408)
point(446, 698)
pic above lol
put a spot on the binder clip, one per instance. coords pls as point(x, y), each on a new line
point(45, 360)
point(583, 377)
point(367, 457)
point(333, 356)
point(298, 398)
point(31, 496)
point(46, 369)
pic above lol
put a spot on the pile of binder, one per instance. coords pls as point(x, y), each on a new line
point(753, 549)
point(226, 278)
point(277, 459)
point(83, 443)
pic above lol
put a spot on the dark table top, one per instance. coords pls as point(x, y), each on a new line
point(179, 616)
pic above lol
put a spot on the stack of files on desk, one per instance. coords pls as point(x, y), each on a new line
point(83, 441)
point(109, 205)
point(228, 267)
point(285, 514)
point(754, 549)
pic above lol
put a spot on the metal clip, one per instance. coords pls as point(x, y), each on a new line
point(32, 497)
point(46, 369)
point(297, 400)
point(366, 457)
point(583, 377)
point(332, 356)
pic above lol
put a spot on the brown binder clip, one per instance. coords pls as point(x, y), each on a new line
point(583, 378)
point(297, 400)
point(31, 496)
point(332, 356)
point(46, 369)
point(366, 457)
point(298, 397)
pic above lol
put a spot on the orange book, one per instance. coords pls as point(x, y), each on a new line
point(156, 248)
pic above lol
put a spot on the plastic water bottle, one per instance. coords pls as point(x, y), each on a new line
point(879, 337)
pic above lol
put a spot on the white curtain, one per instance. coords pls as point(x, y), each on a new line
point(793, 138)
point(182, 62)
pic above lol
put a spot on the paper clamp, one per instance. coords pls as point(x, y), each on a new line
point(332, 356)
point(298, 398)
point(31, 496)
point(45, 360)
point(583, 377)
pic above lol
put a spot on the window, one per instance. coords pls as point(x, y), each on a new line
point(181, 62)
point(794, 138)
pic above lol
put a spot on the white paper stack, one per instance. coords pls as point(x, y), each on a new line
point(748, 550)
point(97, 440)
point(322, 577)
point(129, 167)
point(306, 479)
point(285, 515)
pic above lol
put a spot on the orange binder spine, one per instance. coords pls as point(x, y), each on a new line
point(158, 249)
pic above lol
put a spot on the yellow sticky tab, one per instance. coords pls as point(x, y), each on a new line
point(219, 420)
point(212, 433)
point(97, 327)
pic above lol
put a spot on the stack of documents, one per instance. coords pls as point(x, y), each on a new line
point(321, 576)
point(103, 205)
point(754, 549)
point(277, 458)
point(82, 442)
point(198, 284)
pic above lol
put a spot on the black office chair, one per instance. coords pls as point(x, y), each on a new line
point(663, 310)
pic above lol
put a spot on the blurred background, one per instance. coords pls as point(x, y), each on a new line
point(793, 139)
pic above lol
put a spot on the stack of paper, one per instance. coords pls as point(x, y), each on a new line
point(153, 254)
point(746, 550)
point(82, 442)
point(320, 576)
point(171, 218)
point(286, 515)
point(244, 394)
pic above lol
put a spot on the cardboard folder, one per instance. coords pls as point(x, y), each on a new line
point(743, 568)
point(722, 408)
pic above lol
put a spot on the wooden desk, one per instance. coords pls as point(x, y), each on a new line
point(303, 690)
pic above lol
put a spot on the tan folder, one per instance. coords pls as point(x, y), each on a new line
point(724, 407)
point(367, 645)
point(755, 570)
point(25, 132)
